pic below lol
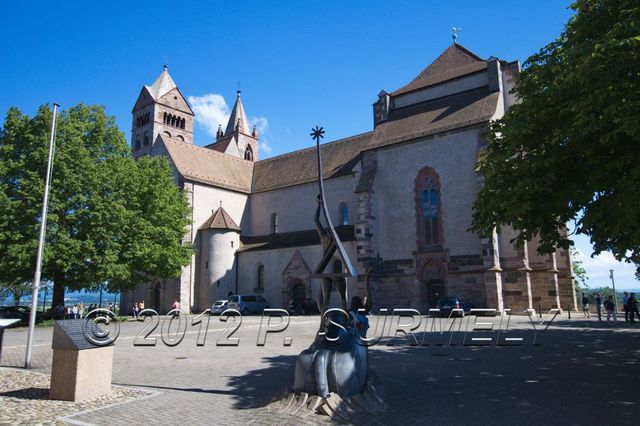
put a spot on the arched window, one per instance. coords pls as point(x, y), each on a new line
point(173, 120)
point(428, 204)
point(344, 213)
point(180, 138)
point(146, 139)
point(260, 277)
point(166, 133)
point(274, 223)
point(165, 120)
point(137, 144)
point(248, 153)
point(182, 124)
point(430, 215)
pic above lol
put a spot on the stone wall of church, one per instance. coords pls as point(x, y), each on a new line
point(457, 262)
point(296, 206)
point(453, 157)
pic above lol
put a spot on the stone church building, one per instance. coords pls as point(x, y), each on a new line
point(400, 196)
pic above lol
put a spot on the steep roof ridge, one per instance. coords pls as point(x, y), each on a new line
point(300, 151)
point(432, 69)
point(209, 166)
point(209, 150)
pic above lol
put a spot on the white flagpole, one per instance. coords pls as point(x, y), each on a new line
point(43, 226)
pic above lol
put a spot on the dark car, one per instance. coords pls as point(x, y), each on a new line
point(449, 303)
point(18, 312)
point(302, 307)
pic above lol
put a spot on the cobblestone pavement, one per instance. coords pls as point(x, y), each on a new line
point(582, 372)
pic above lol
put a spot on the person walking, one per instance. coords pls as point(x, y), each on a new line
point(599, 306)
point(632, 307)
point(176, 307)
point(625, 299)
point(610, 307)
point(585, 306)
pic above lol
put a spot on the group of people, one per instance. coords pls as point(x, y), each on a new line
point(629, 304)
point(77, 311)
point(137, 308)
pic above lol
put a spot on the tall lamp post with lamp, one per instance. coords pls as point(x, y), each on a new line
point(615, 295)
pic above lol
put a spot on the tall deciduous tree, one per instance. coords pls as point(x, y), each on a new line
point(569, 151)
point(112, 220)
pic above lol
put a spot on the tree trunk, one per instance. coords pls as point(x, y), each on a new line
point(16, 298)
point(58, 290)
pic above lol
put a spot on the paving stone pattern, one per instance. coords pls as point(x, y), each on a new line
point(583, 371)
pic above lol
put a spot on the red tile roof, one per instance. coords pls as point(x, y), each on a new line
point(220, 219)
point(454, 62)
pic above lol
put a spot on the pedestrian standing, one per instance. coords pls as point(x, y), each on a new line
point(81, 309)
point(625, 299)
point(632, 306)
point(610, 307)
point(135, 310)
point(585, 306)
point(176, 307)
point(74, 312)
point(599, 306)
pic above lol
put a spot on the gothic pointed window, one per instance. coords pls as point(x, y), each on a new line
point(344, 213)
point(248, 153)
point(430, 211)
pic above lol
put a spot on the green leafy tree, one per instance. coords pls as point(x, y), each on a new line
point(569, 151)
point(578, 271)
point(112, 221)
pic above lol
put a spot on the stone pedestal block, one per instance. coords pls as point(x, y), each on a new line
point(80, 370)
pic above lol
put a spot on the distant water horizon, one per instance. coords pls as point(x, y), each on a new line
point(70, 298)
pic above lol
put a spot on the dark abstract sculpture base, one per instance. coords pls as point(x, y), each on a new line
point(332, 380)
point(323, 368)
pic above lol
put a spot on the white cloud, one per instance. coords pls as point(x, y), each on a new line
point(262, 124)
point(211, 110)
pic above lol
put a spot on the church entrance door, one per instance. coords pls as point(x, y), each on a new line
point(298, 295)
point(435, 290)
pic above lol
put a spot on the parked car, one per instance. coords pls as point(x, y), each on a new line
point(449, 303)
point(302, 307)
point(218, 307)
point(18, 312)
point(247, 303)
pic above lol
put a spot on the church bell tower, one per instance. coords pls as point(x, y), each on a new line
point(160, 110)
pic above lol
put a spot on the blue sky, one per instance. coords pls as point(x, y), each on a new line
point(298, 64)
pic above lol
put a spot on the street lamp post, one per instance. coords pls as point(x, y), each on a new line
point(43, 227)
point(615, 295)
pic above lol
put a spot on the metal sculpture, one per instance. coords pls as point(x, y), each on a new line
point(331, 244)
point(334, 369)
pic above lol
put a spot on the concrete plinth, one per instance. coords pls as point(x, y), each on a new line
point(79, 370)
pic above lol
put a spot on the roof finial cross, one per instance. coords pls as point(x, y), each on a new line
point(317, 133)
point(454, 33)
